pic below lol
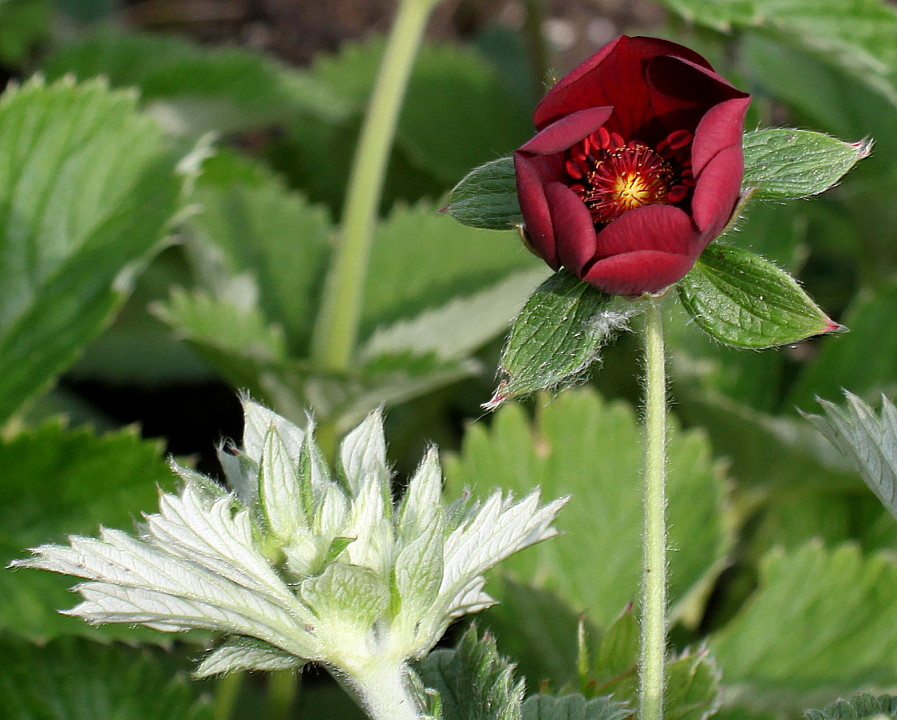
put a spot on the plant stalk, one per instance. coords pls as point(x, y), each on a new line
point(654, 571)
point(337, 323)
point(384, 692)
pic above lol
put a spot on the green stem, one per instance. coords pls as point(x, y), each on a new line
point(337, 323)
point(654, 577)
point(535, 18)
point(283, 687)
point(226, 691)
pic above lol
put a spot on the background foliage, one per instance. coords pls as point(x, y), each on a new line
point(167, 214)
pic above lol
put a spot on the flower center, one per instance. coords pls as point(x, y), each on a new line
point(613, 176)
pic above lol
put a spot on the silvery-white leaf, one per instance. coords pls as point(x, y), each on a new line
point(222, 540)
point(419, 568)
point(363, 452)
point(332, 512)
point(496, 530)
point(374, 544)
point(135, 582)
point(258, 420)
point(242, 475)
point(346, 596)
point(279, 490)
point(421, 500)
point(305, 553)
point(243, 653)
point(205, 486)
point(470, 599)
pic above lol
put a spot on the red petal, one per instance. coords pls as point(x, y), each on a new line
point(534, 206)
point(567, 131)
point(573, 227)
point(613, 75)
point(721, 126)
point(646, 271)
point(681, 92)
point(717, 192)
point(653, 227)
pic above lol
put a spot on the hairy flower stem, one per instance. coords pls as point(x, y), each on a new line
point(337, 323)
point(654, 569)
point(384, 693)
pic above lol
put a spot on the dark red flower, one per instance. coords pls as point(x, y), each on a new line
point(636, 167)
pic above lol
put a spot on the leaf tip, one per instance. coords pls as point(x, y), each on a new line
point(498, 398)
point(863, 147)
point(832, 327)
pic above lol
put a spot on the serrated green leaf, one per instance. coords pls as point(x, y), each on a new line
point(556, 336)
point(821, 622)
point(57, 482)
point(742, 300)
point(786, 163)
point(692, 687)
point(197, 89)
point(582, 446)
point(614, 664)
point(858, 707)
point(473, 680)
point(487, 197)
point(238, 342)
point(869, 442)
point(573, 707)
point(86, 189)
point(863, 360)
point(857, 36)
point(78, 680)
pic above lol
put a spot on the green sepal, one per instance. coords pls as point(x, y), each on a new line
point(742, 300)
point(786, 163)
point(487, 197)
point(556, 336)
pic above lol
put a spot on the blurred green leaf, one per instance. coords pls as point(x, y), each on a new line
point(573, 707)
point(862, 360)
point(23, 24)
point(487, 197)
point(858, 36)
point(821, 623)
point(451, 90)
point(742, 300)
point(423, 260)
point(259, 246)
point(57, 482)
point(858, 707)
point(538, 629)
point(460, 326)
point(556, 336)
point(86, 191)
point(473, 680)
point(79, 680)
point(194, 89)
point(582, 446)
point(237, 341)
point(786, 163)
point(868, 441)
